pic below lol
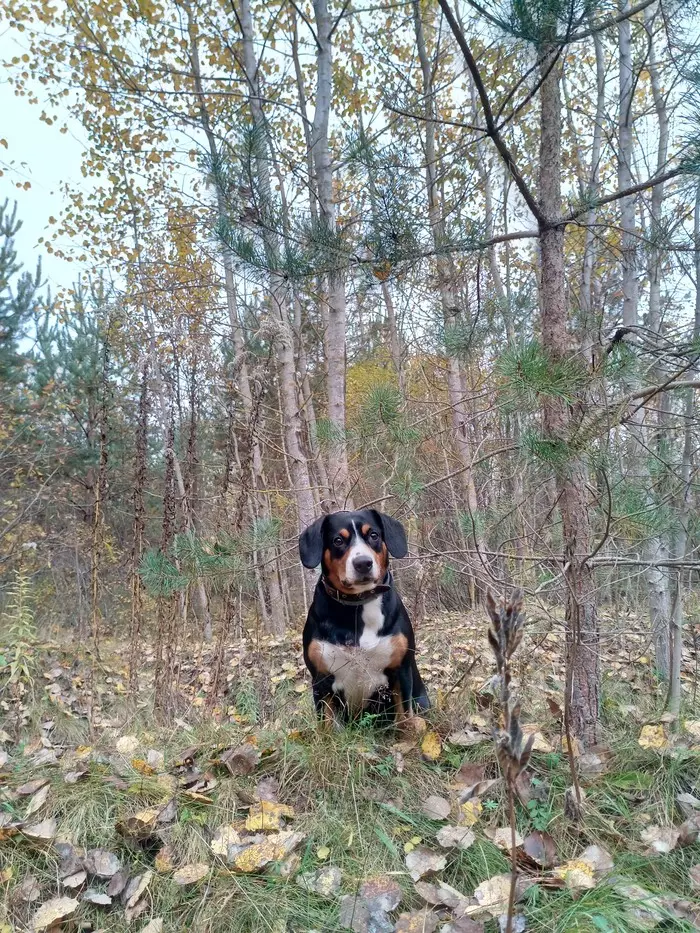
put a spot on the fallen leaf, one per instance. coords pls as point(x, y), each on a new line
point(493, 894)
point(138, 826)
point(54, 911)
point(127, 745)
point(99, 898)
point(165, 859)
point(689, 831)
point(470, 812)
point(354, 915)
point(325, 882)
point(688, 804)
point(41, 832)
point(540, 744)
point(660, 839)
point(431, 746)
point(646, 909)
point(72, 777)
point(501, 837)
point(436, 808)
point(75, 880)
point(268, 815)
point(31, 787)
point(440, 894)
point(455, 837)
point(101, 863)
point(576, 874)
point(477, 790)
point(224, 837)
point(653, 737)
point(463, 925)
point(417, 921)
point(156, 759)
point(27, 890)
point(135, 888)
point(692, 726)
point(423, 861)
point(191, 874)
point(381, 894)
point(153, 926)
point(241, 760)
point(143, 767)
point(465, 738)
point(118, 883)
point(273, 849)
point(518, 923)
point(37, 801)
point(323, 852)
point(267, 789)
point(540, 848)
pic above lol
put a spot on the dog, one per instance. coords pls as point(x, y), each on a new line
point(359, 644)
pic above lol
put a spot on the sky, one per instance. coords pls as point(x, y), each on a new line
point(44, 157)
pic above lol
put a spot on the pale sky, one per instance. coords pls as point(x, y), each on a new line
point(43, 156)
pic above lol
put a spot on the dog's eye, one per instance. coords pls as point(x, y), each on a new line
point(373, 536)
point(338, 541)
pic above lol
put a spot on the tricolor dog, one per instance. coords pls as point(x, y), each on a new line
point(358, 640)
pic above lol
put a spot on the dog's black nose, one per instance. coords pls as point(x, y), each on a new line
point(362, 564)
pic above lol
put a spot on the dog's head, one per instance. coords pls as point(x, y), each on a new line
point(353, 548)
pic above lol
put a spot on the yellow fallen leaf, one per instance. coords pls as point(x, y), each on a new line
point(693, 727)
point(273, 849)
point(431, 746)
point(143, 767)
point(470, 811)
point(576, 874)
point(6, 874)
point(224, 837)
point(53, 912)
point(653, 736)
point(191, 874)
point(268, 815)
point(323, 852)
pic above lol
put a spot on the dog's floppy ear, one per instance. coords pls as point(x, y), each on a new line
point(311, 544)
point(394, 534)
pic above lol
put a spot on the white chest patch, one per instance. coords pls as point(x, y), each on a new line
point(359, 669)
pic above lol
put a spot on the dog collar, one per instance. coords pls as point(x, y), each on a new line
point(358, 599)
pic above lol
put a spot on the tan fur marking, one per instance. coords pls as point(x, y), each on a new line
point(336, 570)
point(365, 529)
point(344, 533)
point(316, 657)
point(399, 647)
point(397, 700)
point(383, 560)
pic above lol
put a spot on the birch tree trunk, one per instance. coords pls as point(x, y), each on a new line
point(338, 472)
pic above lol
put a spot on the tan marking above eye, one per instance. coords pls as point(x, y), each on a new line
point(366, 529)
point(344, 533)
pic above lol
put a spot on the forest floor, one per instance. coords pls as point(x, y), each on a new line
point(239, 815)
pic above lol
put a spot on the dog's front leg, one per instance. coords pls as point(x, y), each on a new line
point(325, 702)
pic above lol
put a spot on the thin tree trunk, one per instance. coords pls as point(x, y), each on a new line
point(582, 637)
point(338, 471)
point(140, 473)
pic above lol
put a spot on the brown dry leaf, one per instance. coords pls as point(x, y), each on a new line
point(431, 746)
point(540, 847)
point(478, 790)
point(423, 861)
point(72, 777)
point(647, 910)
point(325, 882)
point(127, 745)
point(540, 743)
point(689, 832)
point(660, 839)
point(99, 898)
point(224, 837)
point(268, 815)
point(75, 880)
point(501, 837)
point(41, 832)
point(118, 883)
point(354, 915)
point(135, 888)
point(241, 760)
point(688, 804)
point(153, 926)
point(267, 789)
point(273, 849)
point(417, 921)
point(164, 860)
point(694, 874)
point(28, 890)
point(441, 894)
point(37, 801)
point(455, 837)
point(53, 912)
point(191, 874)
point(653, 736)
point(138, 826)
point(156, 760)
point(381, 894)
point(31, 787)
point(101, 863)
point(465, 738)
point(463, 925)
point(469, 774)
point(436, 808)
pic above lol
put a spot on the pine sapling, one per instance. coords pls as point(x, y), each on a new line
point(505, 634)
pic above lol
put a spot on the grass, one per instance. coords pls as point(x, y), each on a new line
point(353, 793)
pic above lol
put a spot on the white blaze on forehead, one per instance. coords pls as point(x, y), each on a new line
point(360, 548)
